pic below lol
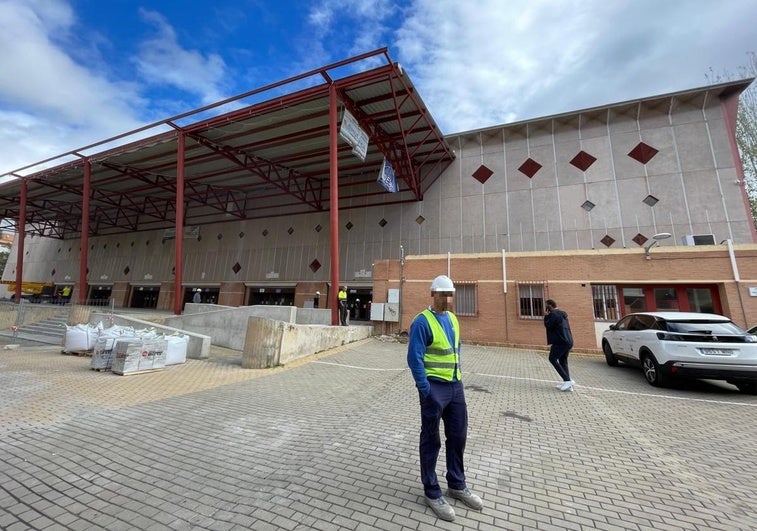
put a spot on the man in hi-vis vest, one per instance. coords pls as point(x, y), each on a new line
point(433, 355)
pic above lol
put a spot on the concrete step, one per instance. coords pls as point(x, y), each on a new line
point(51, 331)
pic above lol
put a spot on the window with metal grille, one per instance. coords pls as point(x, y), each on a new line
point(465, 299)
point(531, 296)
point(605, 298)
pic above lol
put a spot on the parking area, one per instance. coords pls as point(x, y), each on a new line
point(331, 443)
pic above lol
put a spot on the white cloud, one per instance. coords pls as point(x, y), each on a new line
point(51, 103)
point(475, 64)
point(48, 102)
point(492, 62)
point(162, 60)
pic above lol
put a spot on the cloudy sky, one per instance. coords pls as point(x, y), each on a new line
point(74, 72)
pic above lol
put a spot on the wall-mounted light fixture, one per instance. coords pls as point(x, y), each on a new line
point(655, 241)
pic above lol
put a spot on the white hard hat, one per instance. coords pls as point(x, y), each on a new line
point(442, 283)
point(198, 289)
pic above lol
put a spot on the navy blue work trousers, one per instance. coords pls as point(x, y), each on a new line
point(558, 357)
point(445, 402)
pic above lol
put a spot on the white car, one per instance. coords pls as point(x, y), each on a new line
point(682, 344)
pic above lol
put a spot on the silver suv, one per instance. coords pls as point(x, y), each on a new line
point(681, 344)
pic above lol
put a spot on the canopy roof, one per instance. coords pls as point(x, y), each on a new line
point(262, 159)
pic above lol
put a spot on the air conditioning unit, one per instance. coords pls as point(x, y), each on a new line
point(699, 239)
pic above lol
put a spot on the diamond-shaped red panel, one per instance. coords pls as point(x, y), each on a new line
point(608, 240)
point(583, 160)
point(482, 174)
point(642, 152)
point(529, 168)
point(640, 239)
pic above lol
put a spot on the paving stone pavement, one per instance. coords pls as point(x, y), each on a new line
point(330, 443)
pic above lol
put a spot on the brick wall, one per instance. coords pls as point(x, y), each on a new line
point(567, 276)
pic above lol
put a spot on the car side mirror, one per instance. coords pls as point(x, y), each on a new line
point(613, 327)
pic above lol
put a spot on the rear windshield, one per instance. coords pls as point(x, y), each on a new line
point(704, 327)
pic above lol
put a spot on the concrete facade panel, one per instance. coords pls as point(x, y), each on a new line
point(495, 218)
point(623, 119)
point(521, 216)
point(515, 179)
point(492, 141)
point(625, 166)
point(469, 185)
point(593, 124)
point(497, 183)
point(449, 183)
point(721, 145)
point(693, 147)
point(654, 114)
point(540, 134)
point(687, 110)
point(630, 194)
point(666, 159)
point(567, 174)
point(472, 226)
point(602, 169)
point(545, 156)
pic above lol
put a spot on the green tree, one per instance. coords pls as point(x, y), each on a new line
point(746, 126)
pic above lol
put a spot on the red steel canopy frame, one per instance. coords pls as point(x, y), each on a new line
point(277, 153)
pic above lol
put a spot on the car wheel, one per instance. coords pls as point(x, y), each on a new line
point(612, 361)
point(652, 371)
point(749, 388)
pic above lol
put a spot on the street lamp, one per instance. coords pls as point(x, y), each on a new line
point(655, 241)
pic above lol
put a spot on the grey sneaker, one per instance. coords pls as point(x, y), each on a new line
point(441, 508)
point(467, 497)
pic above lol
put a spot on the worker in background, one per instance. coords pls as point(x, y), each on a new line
point(65, 294)
point(197, 299)
point(342, 298)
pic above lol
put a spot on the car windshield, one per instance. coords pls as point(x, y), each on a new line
point(705, 327)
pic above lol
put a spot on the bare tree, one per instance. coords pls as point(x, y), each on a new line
point(746, 126)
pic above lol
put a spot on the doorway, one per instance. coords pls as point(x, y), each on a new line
point(144, 296)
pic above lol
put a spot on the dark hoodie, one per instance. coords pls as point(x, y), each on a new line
point(558, 328)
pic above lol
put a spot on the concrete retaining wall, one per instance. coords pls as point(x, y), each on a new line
point(270, 343)
point(228, 325)
point(199, 344)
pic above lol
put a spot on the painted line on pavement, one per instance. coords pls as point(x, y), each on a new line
point(634, 393)
point(577, 387)
point(361, 368)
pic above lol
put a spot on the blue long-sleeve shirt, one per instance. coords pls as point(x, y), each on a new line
point(421, 337)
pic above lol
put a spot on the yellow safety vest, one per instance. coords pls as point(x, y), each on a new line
point(441, 359)
point(342, 295)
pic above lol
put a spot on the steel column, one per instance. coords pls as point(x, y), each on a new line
point(178, 292)
point(334, 204)
point(21, 234)
point(83, 291)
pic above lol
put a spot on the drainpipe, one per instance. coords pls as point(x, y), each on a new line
point(504, 292)
point(402, 281)
point(736, 277)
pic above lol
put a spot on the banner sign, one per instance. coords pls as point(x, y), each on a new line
point(386, 177)
point(189, 232)
point(354, 135)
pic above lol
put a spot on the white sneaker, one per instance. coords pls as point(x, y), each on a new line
point(567, 386)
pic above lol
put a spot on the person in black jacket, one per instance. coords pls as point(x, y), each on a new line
point(560, 338)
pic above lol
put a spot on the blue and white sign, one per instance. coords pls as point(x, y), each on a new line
point(354, 135)
point(386, 177)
